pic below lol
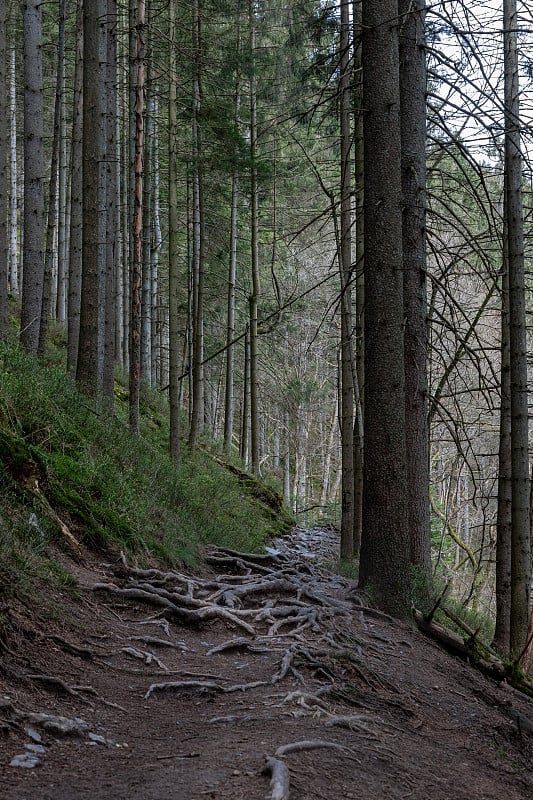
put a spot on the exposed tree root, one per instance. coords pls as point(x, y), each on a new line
point(73, 649)
point(278, 770)
point(145, 656)
point(184, 615)
point(202, 686)
point(57, 685)
point(236, 644)
point(279, 778)
point(308, 744)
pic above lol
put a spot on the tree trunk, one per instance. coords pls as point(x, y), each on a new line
point(384, 565)
point(502, 632)
point(76, 203)
point(33, 271)
point(345, 265)
point(173, 249)
point(112, 241)
point(63, 221)
point(286, 460)
point(413, 142)
point(13, 258)
point(229, 403)
point(48, 302)
point(146, 294)
point(254, 223)
point(359, 275)
point(4, 132)
point(521, 542)
point(245, 408)
point(198, 244)
point(135, 347)
point(155, 248)
point(87, 365)
point(326, 471)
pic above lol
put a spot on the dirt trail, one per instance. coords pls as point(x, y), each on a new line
point(373, 709)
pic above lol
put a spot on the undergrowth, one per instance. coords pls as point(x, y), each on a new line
point(63, 463)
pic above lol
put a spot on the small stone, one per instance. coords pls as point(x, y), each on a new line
point(26, 760)
point(33, 734)
point(35, 748)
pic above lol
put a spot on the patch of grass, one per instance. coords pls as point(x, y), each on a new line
point(61, 461)
point(348, 568)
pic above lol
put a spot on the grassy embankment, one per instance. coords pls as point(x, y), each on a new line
point(69, 474)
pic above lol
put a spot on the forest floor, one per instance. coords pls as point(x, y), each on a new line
point(277, 681)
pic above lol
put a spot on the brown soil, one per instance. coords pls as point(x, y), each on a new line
point(421, 724)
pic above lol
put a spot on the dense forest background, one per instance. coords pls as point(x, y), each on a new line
point(206, 200)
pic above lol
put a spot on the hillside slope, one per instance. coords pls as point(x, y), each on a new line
point(70, 477)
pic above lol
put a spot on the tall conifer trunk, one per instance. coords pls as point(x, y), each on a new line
point(76, 203)
point(520, 511)
point(384, 565)
point(502, 632)
point(345, 264)
point(48, 302)
point(254, 224)
point(413, 142)
point(4, 132)
point(135, 346)
point(198, 244)
point(13, 255)
point(173, 253)
point(87, 364)
point(33, 256)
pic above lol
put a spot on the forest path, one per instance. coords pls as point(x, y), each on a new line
point(273, 662)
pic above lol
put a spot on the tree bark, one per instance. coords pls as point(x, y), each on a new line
point(155, 248)
point(413, 142)
point(520, 512)
point(502, 632)
point(135, 347)
point(146, 294)
point(76, 203)
point(13, 258)
point(112, 241)
point(33, 257)
point(345, 265)
point(173, 251)
point(359, 275)
point(4, 132)
point(198, 244)
point(48, 303)
point(256, 284)
point(385, 547)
